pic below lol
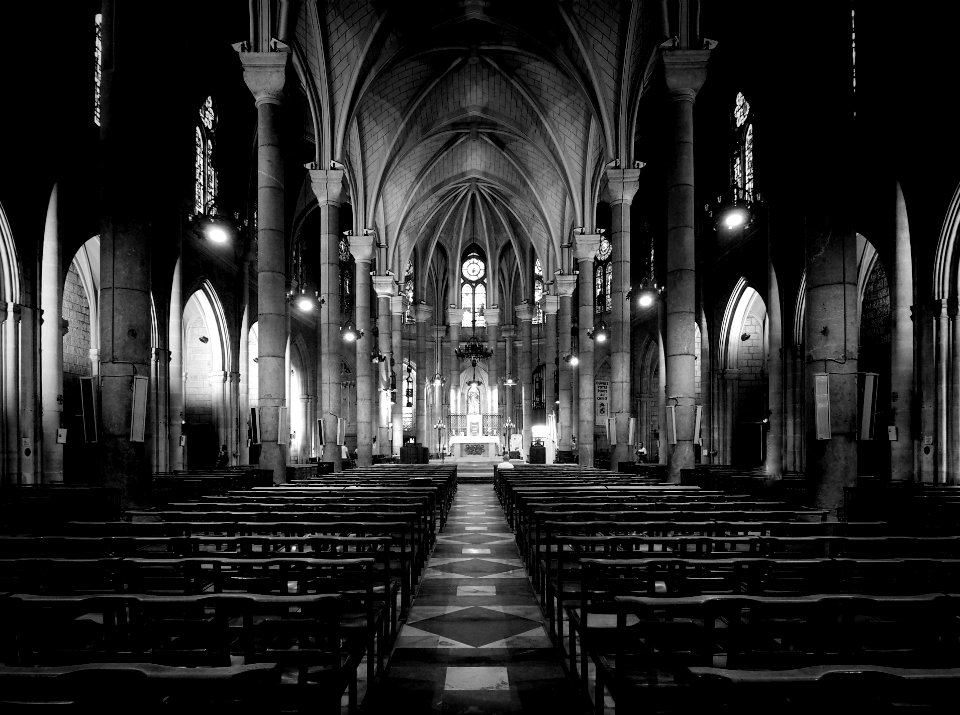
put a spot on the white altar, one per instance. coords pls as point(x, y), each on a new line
point(474, 443)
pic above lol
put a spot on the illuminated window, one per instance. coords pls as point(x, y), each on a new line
point(537, 291)
point(473, 288)
point(603, 277)
point(410, 398)
point(742, 155)
point(853, 55)
point(97, 65)
point(408, 287)
point(347, 267)
point(205, 176)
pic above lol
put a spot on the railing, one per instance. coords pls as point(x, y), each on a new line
point(490, 425)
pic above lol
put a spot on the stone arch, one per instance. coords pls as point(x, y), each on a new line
point(206, 366)
point(80, 351)
point(10, 293)
point(743, 348)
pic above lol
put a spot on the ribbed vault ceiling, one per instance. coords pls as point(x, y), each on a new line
point(480, 121)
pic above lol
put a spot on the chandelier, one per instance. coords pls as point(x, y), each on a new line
point(473, 351)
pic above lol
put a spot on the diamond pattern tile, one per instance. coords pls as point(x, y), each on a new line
point(475, 567)
point(477, 626)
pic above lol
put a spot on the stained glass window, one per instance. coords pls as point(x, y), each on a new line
point(409, 398)
point(408, 290)
point(97, 65)
point(853, 54)
point(537, 292)
point(742, 153)
point(473, 288)
point(603, 277)
point(347, 268)
point(205, 175)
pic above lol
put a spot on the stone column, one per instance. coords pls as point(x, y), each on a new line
point(264, 73)
point(831, 342)
point(622, 185)
point(362, 249)
point(953, 394)
point(585, 251)
point(684, 71)
point(28, 396)
point(176, 450)
point(328, 186)
point(551, 304)
point(51, 344)
point(509, 332)
point(566, 284)
point(423, 316)
point(396, 408)
point(439, 412)
point(927, 313)
point(773, 465)
point(454, 318)
point(11, 393)
point(162, 410)
point(385, 288)
point(493, 337)
point(524, 314)
point(663, 448)
point(901, 347)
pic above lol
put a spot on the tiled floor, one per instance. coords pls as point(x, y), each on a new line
point(474, 642)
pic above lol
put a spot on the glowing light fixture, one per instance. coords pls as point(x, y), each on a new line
point(350, 333)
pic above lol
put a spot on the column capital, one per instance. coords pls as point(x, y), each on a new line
point(492, 316)
point(585, 246)
point(384, 286)
point(439, 331)
point(551, 304)
point(396, 304)
point(684, 72)
point(524, 312)
point(622, 185)
point(508, 331)
point(265, 74)
point(327, 185)
point(361, 248)
point(566, 285)
point(422, 313)
point(454, 317)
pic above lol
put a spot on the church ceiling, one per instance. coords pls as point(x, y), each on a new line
point(474, 121)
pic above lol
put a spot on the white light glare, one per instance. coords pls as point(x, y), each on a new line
point(734, 219)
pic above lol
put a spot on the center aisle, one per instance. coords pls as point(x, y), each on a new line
point(475, 640)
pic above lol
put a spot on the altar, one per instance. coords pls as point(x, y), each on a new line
point(474, 443)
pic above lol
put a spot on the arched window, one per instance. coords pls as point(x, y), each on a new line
point(205, 177)
point(603, 277)
point(97, 65)
point(473, 288)
point(537, 291)
point(408, 290)
point(742, 159)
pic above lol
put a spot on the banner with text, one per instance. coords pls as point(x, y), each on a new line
point(603, 401)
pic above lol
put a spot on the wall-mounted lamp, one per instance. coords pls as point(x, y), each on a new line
point(350, 333)
point(571, 359)
point(745, 336)
point(204, 339)
point(599, 333)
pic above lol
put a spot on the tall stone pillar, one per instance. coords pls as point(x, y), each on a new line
point(264, 73)
point(585, 251)
point(423, 316)
point(524, 314)
point(684, 71)
point(566, 284)
point(176, 450)
point(399, 399)
point(492, 316)
point(901, 346)
point(439, 407)
point(28, 396)
point(10, 342)
point(385, 288)
point(454, 318)
point(328, 187)
point(161, 358)
point(551, 304)
point(622, 185)
point(509, 333)
point(773, 465)
point(51, 344)
point(831, 342)
point(362, 249)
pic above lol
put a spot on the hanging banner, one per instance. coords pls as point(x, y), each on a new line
point(603, 402)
